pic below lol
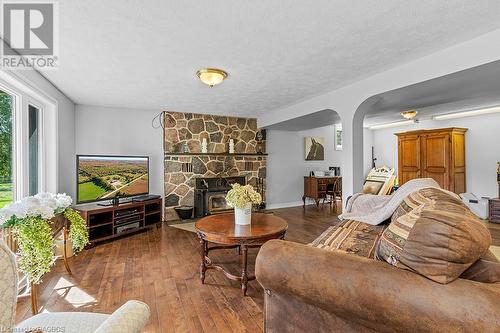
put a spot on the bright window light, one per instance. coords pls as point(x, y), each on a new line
point(73, 295)
point(470, 113)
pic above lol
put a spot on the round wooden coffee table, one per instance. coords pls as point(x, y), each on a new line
point(221, 230)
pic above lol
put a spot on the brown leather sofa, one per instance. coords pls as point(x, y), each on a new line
point(335, 285)
point(312, 290)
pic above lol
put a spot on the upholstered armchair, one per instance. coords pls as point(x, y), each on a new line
point(130, 317)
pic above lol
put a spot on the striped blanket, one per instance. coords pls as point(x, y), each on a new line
point(375, 209)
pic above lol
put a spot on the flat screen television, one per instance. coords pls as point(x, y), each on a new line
point(102, 177)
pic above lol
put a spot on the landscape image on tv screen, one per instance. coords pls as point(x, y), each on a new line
point(105, 177)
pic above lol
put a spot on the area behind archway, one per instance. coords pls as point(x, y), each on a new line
point(466, 90)
point(286, 163)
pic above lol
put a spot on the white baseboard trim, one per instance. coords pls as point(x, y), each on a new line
point(284, 205)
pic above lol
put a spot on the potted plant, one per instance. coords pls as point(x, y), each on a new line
point(241, 199)
point(30, 220)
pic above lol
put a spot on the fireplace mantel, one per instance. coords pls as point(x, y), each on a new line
point(215, 154)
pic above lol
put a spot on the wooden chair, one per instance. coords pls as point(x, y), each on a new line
point(334, 192)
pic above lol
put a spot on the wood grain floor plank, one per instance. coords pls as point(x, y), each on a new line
point(160, 268)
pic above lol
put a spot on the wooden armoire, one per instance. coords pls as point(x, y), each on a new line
point(437, 154)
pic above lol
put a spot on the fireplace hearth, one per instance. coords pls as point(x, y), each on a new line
point(210, 194)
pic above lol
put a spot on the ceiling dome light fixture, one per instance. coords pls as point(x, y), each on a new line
point(409, 114)
point(211, 76)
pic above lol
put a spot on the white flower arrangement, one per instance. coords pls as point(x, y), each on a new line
point(239, 196)
point(44, 205)
point(30, 220)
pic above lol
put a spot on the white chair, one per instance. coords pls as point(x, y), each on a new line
point(129, 318)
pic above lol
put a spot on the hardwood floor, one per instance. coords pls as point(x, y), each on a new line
point(494, 229)
point(160, 267)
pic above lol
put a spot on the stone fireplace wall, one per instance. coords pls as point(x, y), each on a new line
point(184, 161)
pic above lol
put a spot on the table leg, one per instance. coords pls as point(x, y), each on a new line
point(203, 253)
point(244, 273)
point(65, 253)
point(34, 299)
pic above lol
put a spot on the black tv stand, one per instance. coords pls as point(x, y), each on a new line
point(146, 197)
point(111, 203)
point(140, 198)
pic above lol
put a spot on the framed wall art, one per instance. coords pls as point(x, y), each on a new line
point(314, 148)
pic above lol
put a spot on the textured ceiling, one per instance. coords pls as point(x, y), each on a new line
point(144, 54)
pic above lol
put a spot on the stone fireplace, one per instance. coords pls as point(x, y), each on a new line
point(186, 166)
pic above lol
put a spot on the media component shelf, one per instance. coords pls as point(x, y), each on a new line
point(107, 222)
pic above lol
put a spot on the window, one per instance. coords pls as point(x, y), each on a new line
point(6, 149)
point(28, 140)
point(33, 147)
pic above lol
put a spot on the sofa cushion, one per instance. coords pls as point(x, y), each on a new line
point(486, 269)
point(418, 198)
point(352, 237)
point(439, 239)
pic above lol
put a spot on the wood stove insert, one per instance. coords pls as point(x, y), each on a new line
point(210, 194)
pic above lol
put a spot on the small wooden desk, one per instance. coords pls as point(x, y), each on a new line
point(315, 187)
point(221, 230)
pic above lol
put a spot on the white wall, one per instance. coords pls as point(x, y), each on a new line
point(286, 166)
point(481, 149)
point(367, 150)
point(120, 131)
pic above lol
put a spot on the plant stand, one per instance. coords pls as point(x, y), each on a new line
point(57, 224)
point(34, 287)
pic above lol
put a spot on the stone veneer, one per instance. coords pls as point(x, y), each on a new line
point(189, 129)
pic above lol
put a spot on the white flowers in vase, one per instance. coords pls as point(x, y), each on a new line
point(44, 205)
point(30, 221)
point(241, 198)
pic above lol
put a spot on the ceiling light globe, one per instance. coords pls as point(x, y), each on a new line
point(211, 76)
point(409, 114)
